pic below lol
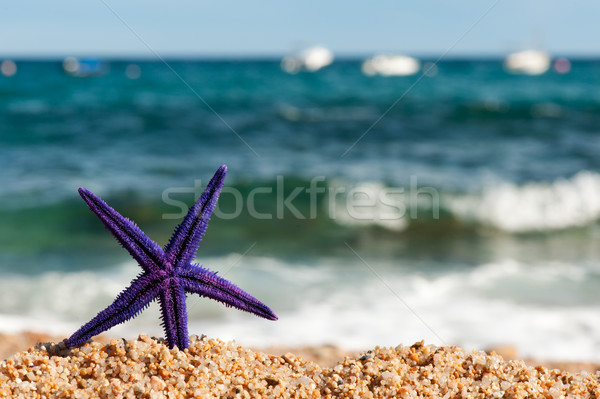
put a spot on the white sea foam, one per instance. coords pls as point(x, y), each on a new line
point(546, 310)
point(562, 204)
point(452, 308)
point(367, 203)
point(472, 307)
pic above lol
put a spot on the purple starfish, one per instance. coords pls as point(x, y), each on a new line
point(168, 274)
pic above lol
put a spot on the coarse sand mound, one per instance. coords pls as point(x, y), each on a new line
point(210, 368)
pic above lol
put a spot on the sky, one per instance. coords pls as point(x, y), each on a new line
point(276, 27)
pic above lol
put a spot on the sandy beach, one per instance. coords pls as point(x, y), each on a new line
point(145, 367)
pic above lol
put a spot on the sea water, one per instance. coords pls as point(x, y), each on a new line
point(459, 208)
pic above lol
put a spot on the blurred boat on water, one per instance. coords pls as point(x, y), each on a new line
point(85, 67)
point(310, 59)
point(391, 65)
point(527, 62)
point(8, 68)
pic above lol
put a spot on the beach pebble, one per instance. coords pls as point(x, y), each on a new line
point(210, 368)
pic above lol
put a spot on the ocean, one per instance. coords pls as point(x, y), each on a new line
point(461, 207)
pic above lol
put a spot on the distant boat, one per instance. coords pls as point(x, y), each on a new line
point(391, 65)
point(527, 62)
point(562, 65)
point(84, 67)
point(8, 68)
point(308, 60)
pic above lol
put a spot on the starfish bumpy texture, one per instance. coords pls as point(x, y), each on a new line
point(167, 274)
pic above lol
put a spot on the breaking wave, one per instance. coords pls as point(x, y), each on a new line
point(531, 207)
point(562, 204)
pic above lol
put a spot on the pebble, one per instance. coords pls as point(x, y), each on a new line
point(210, 368)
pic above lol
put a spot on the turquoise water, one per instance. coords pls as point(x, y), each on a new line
point(473, 202)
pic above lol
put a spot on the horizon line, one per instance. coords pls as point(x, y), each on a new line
point(268, 56)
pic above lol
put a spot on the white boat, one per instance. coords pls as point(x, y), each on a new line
point(308, 60)
point(391, 65)
point(84, 67)
point(527, 62)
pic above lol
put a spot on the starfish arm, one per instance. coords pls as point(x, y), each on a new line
point(174, 313)
point(184, 242)
point(206, 283)
point(128, 304)
point(147, 253)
